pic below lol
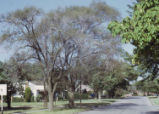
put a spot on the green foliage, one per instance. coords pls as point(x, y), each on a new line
point(119, 92)
point(114, 80)
point(32, 71)
point(38, 98)
point(17, 99)
point(135, 93)
point(148, 86)
point(97, 81)
point(2, 73)
point(82, 96)
point(141, 30)
point(28, 94)
point(32, 99)
point(10, 80)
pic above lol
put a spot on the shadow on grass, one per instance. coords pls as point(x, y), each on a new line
point(16, 108)
point(87, 105)
point(111, 100)
point(91, 104)
point(82, 106)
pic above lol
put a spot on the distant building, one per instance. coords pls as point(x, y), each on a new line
point(84, 88)
point(36, 88)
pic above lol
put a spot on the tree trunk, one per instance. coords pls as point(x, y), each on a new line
point(80, 93)
point(50, 106)
point(99, 95)
point(51, 90)
point(45, 99)
point(71, 99)
point(9, 100)
point(96, 94)
point(111, 93)
point(45, 96)
point(70, 92)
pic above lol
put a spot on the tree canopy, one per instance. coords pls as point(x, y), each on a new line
point(60, 40)
point(142, 31)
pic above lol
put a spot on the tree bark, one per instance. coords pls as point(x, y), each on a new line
point(51, 90)
point(71, 98)
point(45, 96)
point(99, 95)
point(80, 93)
point(50, 106)
point(70, 92)
point(9, 100)
point(45, 99)
point(111, 93)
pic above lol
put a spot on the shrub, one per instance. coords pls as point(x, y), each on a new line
point(119, 92)
point(38, 98)
point(28, 94)
point(60, 97)
point(32, 99)
point(83, 96)
point(135, 93)
point(17, 99)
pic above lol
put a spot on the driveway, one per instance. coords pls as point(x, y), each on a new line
point(130, 105)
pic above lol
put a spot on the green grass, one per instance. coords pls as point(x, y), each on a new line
point(154, 100)
point(60, 107)
point(65, 111)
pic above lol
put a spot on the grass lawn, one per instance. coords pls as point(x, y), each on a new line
point(154, 100)
point(64, 111)
point(60, 107)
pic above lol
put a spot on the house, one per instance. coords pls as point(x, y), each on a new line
point(86, 88)
point(36, 88)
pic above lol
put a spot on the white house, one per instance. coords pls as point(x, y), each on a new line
point(36, 88)
point(84, 87)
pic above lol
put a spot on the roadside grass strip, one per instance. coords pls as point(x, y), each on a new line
point(61, 107)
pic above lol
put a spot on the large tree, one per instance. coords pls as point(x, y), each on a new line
point(84, 27)
point(141, 30)
point(51, 39)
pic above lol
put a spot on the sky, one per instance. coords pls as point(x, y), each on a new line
point(48, 5)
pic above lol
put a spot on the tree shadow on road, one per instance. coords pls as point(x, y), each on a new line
point(132, 97)
point(153, 112)
point(118, 106)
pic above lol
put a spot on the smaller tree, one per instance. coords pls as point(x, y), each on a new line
point(28, 94)
point(148, 86)
point(5, 79)
point(97, 84)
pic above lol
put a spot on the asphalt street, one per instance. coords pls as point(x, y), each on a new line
point(130, 105)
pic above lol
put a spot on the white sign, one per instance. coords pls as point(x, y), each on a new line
point(3, 89)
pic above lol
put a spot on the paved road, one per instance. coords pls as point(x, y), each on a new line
point(130, 105)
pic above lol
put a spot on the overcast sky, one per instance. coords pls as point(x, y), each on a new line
point(47, 5)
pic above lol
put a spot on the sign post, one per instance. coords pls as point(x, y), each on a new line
point(1, 104)
point(3, 91)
